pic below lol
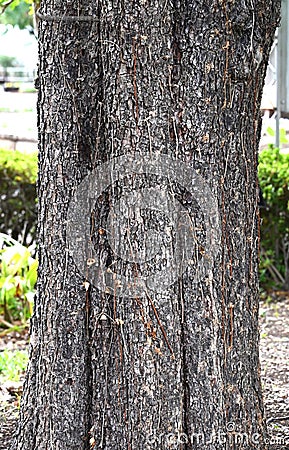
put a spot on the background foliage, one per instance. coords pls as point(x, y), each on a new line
point(274, 182)
point(17, 12)
point(17, 195)
point(7, 61)
point(18, 275)
point(12, 365)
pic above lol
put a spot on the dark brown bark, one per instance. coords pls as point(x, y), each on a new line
point(175, 367)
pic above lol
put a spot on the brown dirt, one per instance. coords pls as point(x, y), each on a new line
point(274, 355)
point(10, 392)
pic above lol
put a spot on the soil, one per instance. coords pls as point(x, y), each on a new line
point(10, 392)
point(274, 355)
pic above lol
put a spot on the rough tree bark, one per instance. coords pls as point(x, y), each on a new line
point(177, 367)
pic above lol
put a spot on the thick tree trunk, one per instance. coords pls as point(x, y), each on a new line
point(173, 362)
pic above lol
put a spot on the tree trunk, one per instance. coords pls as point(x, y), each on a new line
point(145, 328)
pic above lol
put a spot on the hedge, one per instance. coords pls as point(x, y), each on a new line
point(18, 208)
point(274, 182)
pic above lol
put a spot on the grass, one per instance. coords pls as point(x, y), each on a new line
point(12, 364)
point(15, 110)
point(29, 90)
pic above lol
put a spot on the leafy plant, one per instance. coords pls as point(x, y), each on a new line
point(18, 208)
point(282, 134)
point(23, 165)
point(7, 61)
point(17, 12)
point(17, 281)
point(12, 364)
point(274, 182)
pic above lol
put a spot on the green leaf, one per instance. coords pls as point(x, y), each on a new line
point(283, 138)
point(31, 275)
point(270, 131)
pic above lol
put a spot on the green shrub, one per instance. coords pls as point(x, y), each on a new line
point(18, 195)
point(18, 13)
point(7, 61)
point(274, 182)
point(12, 364)
point(18, 275)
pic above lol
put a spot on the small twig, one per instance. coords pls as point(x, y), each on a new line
point(17, 328)
point(6, 323)
point(276, 419)
point(134, 53)
point(160, 325)
point(274, 272)
point(253, 28)
point(5, 5)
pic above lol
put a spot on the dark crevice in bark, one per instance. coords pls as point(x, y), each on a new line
point(89, 369)
point(185, 386)
point(97, 153)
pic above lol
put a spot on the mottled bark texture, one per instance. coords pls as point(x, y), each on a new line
point(179, 369)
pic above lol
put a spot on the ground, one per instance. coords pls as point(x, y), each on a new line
point(274, 353)
point(10, 391)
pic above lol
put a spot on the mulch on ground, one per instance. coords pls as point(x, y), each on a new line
point(274, 355)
